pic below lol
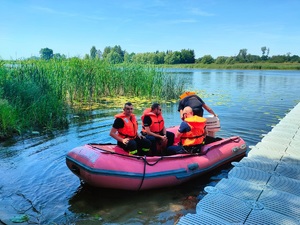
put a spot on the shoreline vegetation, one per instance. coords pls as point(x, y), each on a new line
point(239, 66)
point(38, 95)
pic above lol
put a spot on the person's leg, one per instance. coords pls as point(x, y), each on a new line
point(194, 149)
point(175, 149)
point(131, 147)
point(153, 143)
point(171, 137)
point(209, 139)
point(143, 146)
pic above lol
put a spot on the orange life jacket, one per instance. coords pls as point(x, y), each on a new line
point(130, 126)
point(157, 124)
point(197, 133)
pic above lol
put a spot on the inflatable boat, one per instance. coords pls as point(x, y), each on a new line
point(109, 166)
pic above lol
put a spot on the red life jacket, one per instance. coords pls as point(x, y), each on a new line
point(197, 133)
point(130, 126)
point(157, 124)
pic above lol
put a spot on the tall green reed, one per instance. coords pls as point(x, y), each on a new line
point(42, 93)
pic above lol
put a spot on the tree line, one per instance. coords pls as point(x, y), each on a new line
point(116, 55)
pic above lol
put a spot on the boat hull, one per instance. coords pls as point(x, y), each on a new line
point(108, 166)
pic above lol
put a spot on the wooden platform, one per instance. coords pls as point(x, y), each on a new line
point(263, 188)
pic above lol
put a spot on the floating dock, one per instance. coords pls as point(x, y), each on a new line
point(263, 188)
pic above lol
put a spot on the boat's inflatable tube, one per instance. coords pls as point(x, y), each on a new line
point(108, 166)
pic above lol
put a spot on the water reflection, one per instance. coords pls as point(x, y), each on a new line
point(187, 75)
point(161, 206)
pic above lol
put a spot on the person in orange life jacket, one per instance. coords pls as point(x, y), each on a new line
point(191, 132)
point(189, 98)
point(154, 128)
point(125, 131)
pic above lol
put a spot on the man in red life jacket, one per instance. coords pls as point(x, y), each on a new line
point(189, 98)
point(154, 129)
point(191, 132)
point(125, 131)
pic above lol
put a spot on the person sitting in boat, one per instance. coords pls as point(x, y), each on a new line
point(153, 127)
point(189, 98)
point(125, 131)
point(191, 133)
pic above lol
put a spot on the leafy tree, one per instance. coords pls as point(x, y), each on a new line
point(253, 58)
point(221, 60)
point(93, 52)
point(119, 50)
point(278, 59)
point(114, 58)
point(99, 54)
point(263, 49)
point(160, 57)
point(152, 58)
point(265, 53)
point(207, 59)
point(128, 58)
point(230, 60)
point(173, 57)
point(106, 51)
point(187, 56)
point(242, 56)
point(149, 57)
point(138, 58)
point(46, 53)
point(59, 56)
point(295, 58)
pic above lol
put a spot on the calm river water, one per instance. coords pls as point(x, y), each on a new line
point(35, 181)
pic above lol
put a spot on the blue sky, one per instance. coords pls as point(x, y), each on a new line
point(209, 27)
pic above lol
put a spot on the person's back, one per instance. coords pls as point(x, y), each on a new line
point(195, 102)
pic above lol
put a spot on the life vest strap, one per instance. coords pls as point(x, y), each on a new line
point(145, 133)
point(192, 137)
point(126, 135)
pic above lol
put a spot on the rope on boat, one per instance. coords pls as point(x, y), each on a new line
point(110, 152)
point(144, 172)
point(142, 157)
point(234, 139)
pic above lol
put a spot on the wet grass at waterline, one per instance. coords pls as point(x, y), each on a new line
point(39, 95)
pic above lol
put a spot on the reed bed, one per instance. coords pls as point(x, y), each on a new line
point(39, 95)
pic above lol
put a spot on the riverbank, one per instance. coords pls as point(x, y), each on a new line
point(238, 66)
